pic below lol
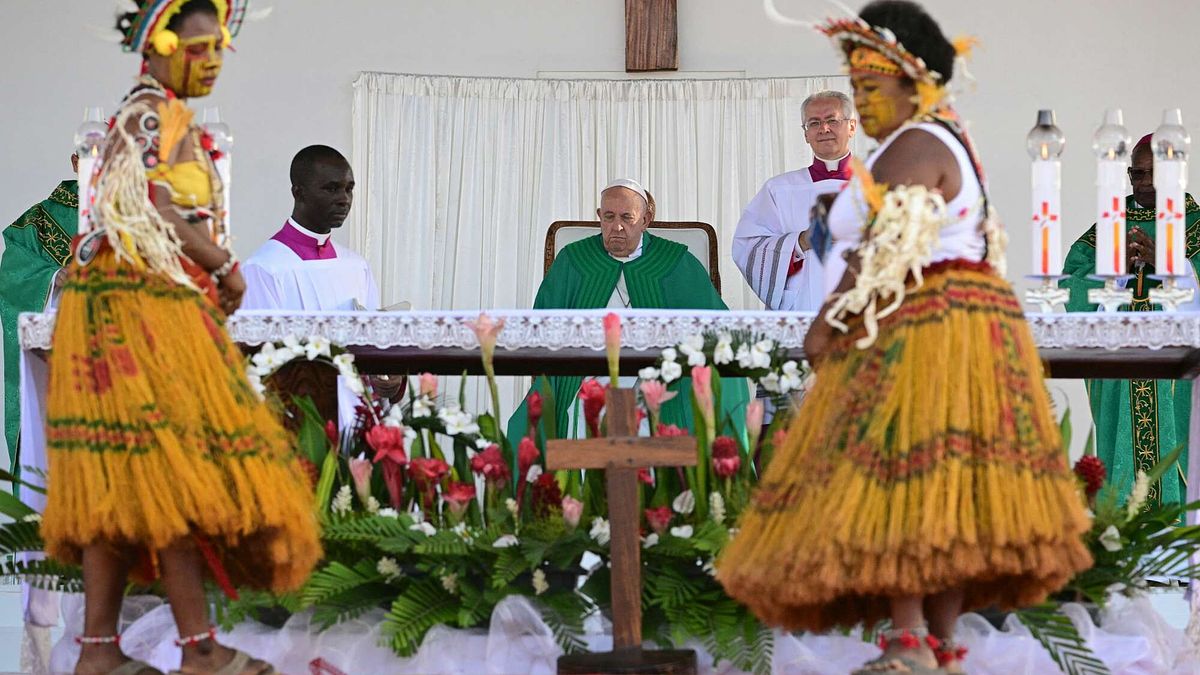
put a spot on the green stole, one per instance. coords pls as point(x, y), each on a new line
point(665, 276)
point(1137, 421)
point(36, 247)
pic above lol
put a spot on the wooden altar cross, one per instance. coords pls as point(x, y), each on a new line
point(620, 455)
point(651, 35)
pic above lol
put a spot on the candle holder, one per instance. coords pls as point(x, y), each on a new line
point(1047, 295)
point(1170, 295)
point(1112, 296)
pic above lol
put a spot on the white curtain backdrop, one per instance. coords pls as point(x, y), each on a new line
point(460, 177)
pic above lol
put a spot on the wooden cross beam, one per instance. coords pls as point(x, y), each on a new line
point(651, 35)
point(620, 455)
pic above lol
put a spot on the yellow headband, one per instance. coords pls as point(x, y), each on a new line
point(867, 61)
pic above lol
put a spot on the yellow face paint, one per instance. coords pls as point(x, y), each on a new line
point(194, 66)
point(877, 112)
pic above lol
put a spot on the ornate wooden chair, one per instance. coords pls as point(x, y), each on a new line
point(700, 239)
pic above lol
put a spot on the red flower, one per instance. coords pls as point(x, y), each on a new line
point(388, 443)
point(547, 496)
point(527, 454)
point(393, 479)
point(331, 432)
point(725, 457)
point(592, 393)
point(491, 464)
point(533, 405)
point(645, 477)
point(458, 496)
point(428, 471)
point(671, 430)
point(1091, 471)
point(659, 519)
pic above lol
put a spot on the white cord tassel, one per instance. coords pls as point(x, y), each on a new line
point(259, 14)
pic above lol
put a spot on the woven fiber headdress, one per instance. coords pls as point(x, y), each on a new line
point(151, 17)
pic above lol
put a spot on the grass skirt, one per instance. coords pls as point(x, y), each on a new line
point(927, 462)
point(155, 435)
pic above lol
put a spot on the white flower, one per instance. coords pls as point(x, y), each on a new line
point(693, 343)
point(342, 501)
point(793, 378)
point(534, 473)
point(1141, 491)
point(344, 363)
point(696, 359)
point(421, 408)
point(600, 531)
point(424, 527)
point(317, 346)
point(32, 518)
point(389, 512)
point(648, 373)
point(710, 567)
point(372, 505)
point(669, 354)
point(354, 383)
point(743, 356)
point(1110, 539)
point(511, 506)
point(292, 344)
point(482, 443)
point(723, 352)
point(683, 531)
point(539, 582)
point(650, 540)
point(685, 503)
point(450, 583)
point(506, 541)
point(256, 383)
point(671, 371)
point(716, 507)
point(410, 435)
point(760, 353)
point(461, 530)
point(770, 382)
point(457, 422)
point(389, 569)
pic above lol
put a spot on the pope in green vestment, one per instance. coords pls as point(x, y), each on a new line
point(36, 247)
point(664, 276)
point(1137, 421)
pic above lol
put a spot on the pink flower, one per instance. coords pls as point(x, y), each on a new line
point(393, 479)
point(754, 422)
point(533, 406)
point(486, 331)
point(669, 430)
point(612, 346)
point(491, 465)
point(388, 443)
point(725, 457)
point(645, 477)
point(655, 393)
point(360, 471)
point(458, 497)
point(572, 511)
point(659, 519)
point(429, 385)
point(527, 454)
point(428, 471)
point(592, 393)
point(702, 388)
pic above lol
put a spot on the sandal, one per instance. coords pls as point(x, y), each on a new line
point(896, 664)
point(892, 663)
point(950, 655)
point(134, 667)
point(235, 666)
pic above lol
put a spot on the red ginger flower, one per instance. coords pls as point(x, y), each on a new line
point(458, 496)
point(490, 463)
point(428, 470)
point(527, 454)
point(669, 430)
point(725, 457)
point(388, 443)
point(659, 519)
point(533, 406)
point(645, 477)
point(592, 393)
point(1092, 472)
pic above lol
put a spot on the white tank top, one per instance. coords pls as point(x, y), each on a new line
point(961, 237)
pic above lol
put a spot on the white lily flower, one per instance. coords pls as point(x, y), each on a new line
point(317, 346)
point(1110, 539)
point(685, 503)
point(421, 408)
point(771, 383)
point(669, 354)
point(292, 344)
point(744, 358)
point(682, 531)
point(723, 352)
point(424, 527)
point(540, 585)
point(671, 371)
point(389, 568)
point(506, 541)
point(648, 373)
point(344, 363)
point(354, 384)
point(650, 540)
point(482, 443)
point(600, 531)
point(696, 359)
point(461, 530)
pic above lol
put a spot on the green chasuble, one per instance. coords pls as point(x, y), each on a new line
point(665, 276)
point(36, 246)
point(1137, 421)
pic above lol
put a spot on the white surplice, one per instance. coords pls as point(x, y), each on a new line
point(764, 243)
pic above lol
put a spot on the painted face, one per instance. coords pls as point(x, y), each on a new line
point(883, 103)
point(622, 215)
point(193, 68)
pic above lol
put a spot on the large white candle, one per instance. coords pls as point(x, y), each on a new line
point(1171, 144)
point(1045, 144)
point(1111, 145)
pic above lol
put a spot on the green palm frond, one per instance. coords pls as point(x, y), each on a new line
point(423, 605)
point(20, 537)
point(564, 613)
point(1061, 639)
point(335, 579)
point(45, 574)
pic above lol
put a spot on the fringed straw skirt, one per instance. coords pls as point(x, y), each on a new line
point(928, 462)
point(156, 437)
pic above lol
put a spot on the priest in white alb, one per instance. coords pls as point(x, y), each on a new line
point(300, 267)
point(770, 244)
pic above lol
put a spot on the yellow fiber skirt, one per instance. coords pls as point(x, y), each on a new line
point(155, 436)
point(928, 462)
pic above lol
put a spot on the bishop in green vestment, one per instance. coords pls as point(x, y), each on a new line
point(36, 247)
point(626, 267)
point(1137, 421)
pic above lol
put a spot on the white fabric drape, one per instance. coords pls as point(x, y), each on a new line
point(460, 177)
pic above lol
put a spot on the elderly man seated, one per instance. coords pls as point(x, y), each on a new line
point(626, 267)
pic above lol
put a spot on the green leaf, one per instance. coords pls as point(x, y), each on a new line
point(423, 605)
point(6, 476)
point(336, 578)
point(14, 508)
point(325, 485)
point(549, 408)
point(1061, 639)
point(1064, 428)
point(20, 537)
